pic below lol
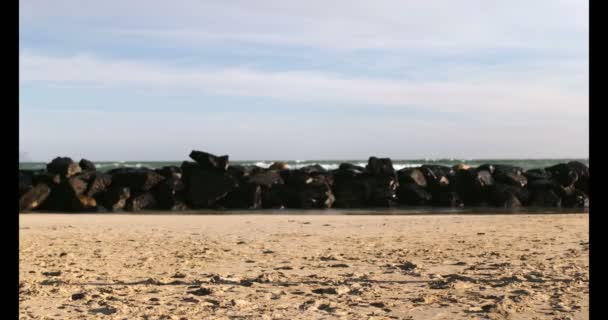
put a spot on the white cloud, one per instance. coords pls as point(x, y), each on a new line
point(458, 26)
point(493, 93)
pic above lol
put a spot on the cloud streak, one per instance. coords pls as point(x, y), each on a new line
point(492, 94)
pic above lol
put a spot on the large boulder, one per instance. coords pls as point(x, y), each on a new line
point(26, 180)
point(537, 174)
point(380, 166)
point(266, 178)
point(246, 196)
point(65, 195)
point(472, 185)
point(583, 175)
point(204, 188)
point(412, 175)
point(210, 161)
point(170, 172)
point(348, 186)
point(169, 194)
point(305, 190)
point(63, 166)
point(437, 176)
point(115, 198)
point(563, 173)
point(508, 196)
point(545, 193)
point(98, 183)
point(136, 179)
point(410, 193)
point(140, 202)
point(87, 165)
point(34, 197)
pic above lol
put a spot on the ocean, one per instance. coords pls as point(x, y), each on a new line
point(327, 164)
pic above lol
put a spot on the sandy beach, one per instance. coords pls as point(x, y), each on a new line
point(524, 266)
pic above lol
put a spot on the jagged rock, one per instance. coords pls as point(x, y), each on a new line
point(205, 187)
point(508, 196)
point(266, 178)
point(98, 183)
point(63, 166)
point(306, 190)
point(170, 172)
point(511, 178)
point(583, 175)
point(380, 190)
point(380, 166)
point(209, 161)
point(137, 180)
point(564, 174)
point(437, 177)
point(316, 168)
point(412, 175)
point(87, 165)
point(351, 168)
point(246, 196)
point(545, 193)
point(409, 193)
point(115, 198)
point(145, 200)
point(472, 185)
point(168, 193)
point(26, 180)
point(447, 199)
point(537, 174)
point(348, 187)
point(576, 199)
point(34, 197)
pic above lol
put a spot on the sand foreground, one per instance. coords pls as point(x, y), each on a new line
point(304, 267)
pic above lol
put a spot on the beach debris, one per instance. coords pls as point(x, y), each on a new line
point(78, 296)
point(202, 291)
point(328, 290)
point(51, 273)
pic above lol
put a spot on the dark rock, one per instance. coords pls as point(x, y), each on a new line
point(246, 196)
point(545, 193)
point(576, 199)
point(169, 193)
point(46, 178)
point(63, 166)
point(78, 296)
point(413, 194)
point(447, 199)
point(583, 176)
point(349, 187)
point(472, 185)
point(266, 178)
point(34, 197)
point(306, 190)
point(116, 198)
point(143, 201)
point(87, 165)
point(351, 168)
point(380, 166)
point(437, 177)
point(26, 180)
point(170, 172)
point(201, 291)
point(564, 174)
point(137, 180)
point(412, 175)
point(316, 168)
point(98, 183)
point(210, 161)
point(204, 188)
point(275, 197)
point(513, 178)
point(380, 190)
point(507, 196)
point(537, 174)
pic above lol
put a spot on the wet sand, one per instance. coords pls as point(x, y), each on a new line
point(524, 266)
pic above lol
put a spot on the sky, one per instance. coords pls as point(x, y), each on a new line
point(271, 79)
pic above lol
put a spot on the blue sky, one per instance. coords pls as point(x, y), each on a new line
point(152, 80)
